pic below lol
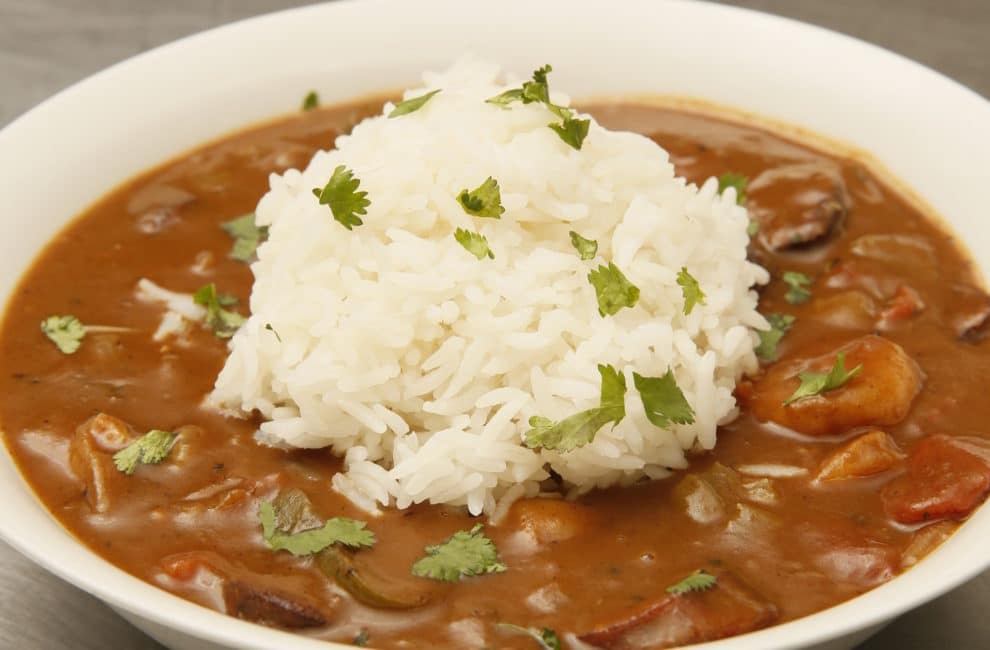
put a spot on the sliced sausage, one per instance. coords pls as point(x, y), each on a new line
point(727, 609)
point(798, 204)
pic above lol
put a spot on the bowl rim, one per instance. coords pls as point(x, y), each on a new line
point(143, 599)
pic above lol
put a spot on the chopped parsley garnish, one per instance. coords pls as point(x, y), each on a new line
point(223, 322)
point(737, 181)
point(816, 383)
point(779, 325)
point(571, 130)
point(697, 581)
point(546, 637)
point(752, 228)
point(537, 90)
point(474, 243)
point(586, 248)
point(412, 105)
point(614, 291)
point(246, 234)
point(342, 195)
point(66, 332)
point(151, 448)
point(466, 553)
point(580, 429)
point(507, 98)
point(361, 639)
point(310, 101)
point(339, 530)
point(691, 290)
point(663, 400)
point(798, 283)
point(483, 201)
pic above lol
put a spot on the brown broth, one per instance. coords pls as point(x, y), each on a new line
point(635, 542)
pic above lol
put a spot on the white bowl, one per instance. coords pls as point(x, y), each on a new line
point(929, 131)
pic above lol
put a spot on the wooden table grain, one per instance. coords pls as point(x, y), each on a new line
point(45, 45)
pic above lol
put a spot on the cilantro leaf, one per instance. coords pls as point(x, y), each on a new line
point(663, 400)
point(474, 243)
point(797, 293)
point(586, 248)
point(612, 288)
point(779, 325)
point(151, 448)
point(223, 322)
point(700, 580)
point(579, 429)
point(310, 101)
point(737, 181)
point(66, 332)
point(339, 530)
point(466, 553)
point(506, 98)
point(572, 131)
point(243, 227)
point(412, 105)
point(246, 234)
point(752, 228)
point(816, 383)
point(690, 289)
point(546, 637)
point(483, 201)
point(341, 194)
point(538, 90)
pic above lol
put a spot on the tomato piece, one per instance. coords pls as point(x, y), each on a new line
point(947, 478)
point(906, 303)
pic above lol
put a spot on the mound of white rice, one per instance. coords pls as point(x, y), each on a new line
point(421, 364)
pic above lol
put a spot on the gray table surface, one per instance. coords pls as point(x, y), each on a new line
point(46, 45)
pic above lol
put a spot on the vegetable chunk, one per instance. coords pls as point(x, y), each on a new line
point(726, 608)
point(870, 453)
point(550, 521)
point(369, 586)
point(879, 395)
point(947, 478)
point(925, 541)
point(90, 453)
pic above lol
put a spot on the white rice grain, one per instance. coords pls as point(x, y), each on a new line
point(422, 364)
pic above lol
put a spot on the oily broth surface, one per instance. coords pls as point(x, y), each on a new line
point(640, 539)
